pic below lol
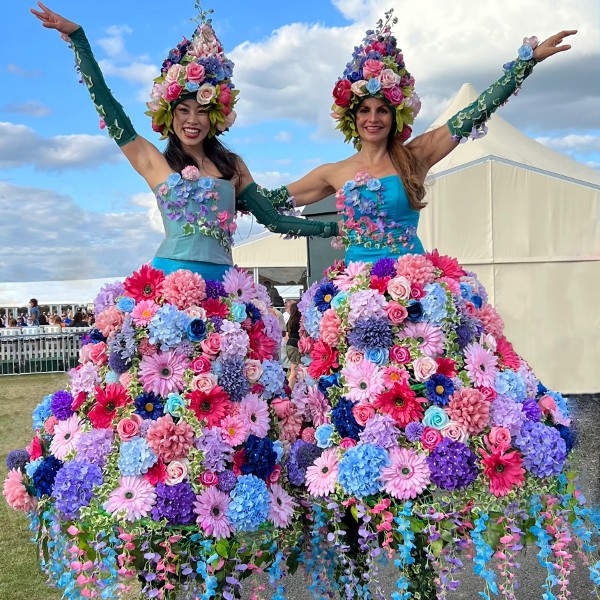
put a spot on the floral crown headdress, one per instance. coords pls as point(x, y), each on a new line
point(197, 69)
point(376, 70)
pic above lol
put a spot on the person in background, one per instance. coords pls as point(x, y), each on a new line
point(293, 337)
point(78, 320)
point(13, 323)
point(34, 311)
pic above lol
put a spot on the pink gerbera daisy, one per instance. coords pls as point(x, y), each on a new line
point(145, 284)
point(447, 265)
point(408, 474)
point(238, 284)
point(322, 474)
point(233, 430)
point(504, 470)
point(162, 373)
point(134, 498)
point(254, 413)
point(364, 380)
point(144, 311)
point(429, 338)
point(66, 436)
point(211, 507)
point(183, 289)
point(348, 277)
point(15, 492)
point(480, 365)
point(394, 374)
point(282, 506)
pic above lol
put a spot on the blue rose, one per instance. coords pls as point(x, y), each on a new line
point(173, 179)
point(373, 86)
point(476, 300)
point(174, 405)
point(379, 356)
point(349, 185)
point(525, 52)
point(96, 337)
point(239, 312)
point(415, 310)
point(327, 381)
point(196, 330)
point(278, 448)
point(435, 417)
point(190, 86)
point(206, 183)
point(126, 304)
point(323, 435)
point(373, 185)
point(338, 299)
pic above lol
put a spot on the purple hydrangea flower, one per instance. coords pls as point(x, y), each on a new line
point(453, 465)
point(544, 450)
point(531, 410)
point(233, 379)
point(74, 486)
point(175, 503)
point(215, 289)
point(61, 405)
point(95, 445)
point(227, 480)
point(380, 430)
point(107, 296)
point(216, 452)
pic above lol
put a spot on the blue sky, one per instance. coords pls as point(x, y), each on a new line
point(73, 208)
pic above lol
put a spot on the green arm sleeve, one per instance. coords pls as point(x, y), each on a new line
point(118, 125)
point(258, 201)
point(469, 122)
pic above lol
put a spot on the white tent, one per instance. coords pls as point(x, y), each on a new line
point(526, 220)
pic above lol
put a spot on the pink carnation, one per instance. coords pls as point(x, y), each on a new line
point(470, 408)
point(416, 268)
point(184, 289)
point(492, 322)
point(109, 320)
point(15, 492)
point(330, 327)
point(168, 440)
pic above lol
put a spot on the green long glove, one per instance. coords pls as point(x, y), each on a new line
point(469, 122)
point(118, 125)
point(264, 204)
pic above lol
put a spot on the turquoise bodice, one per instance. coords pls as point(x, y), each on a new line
point(198, 217)
point(378, 219)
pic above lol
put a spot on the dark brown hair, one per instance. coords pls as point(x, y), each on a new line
point(407, 167)
point(293, 323)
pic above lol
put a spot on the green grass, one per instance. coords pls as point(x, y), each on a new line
point(20, 574)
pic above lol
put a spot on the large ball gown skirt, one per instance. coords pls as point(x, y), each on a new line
point(160, 465)
point(419, 436)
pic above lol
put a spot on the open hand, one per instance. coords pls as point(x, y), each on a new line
point(52, 20)
point(552, 45)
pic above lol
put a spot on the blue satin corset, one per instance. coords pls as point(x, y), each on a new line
point(198, 219)
point(394, 221)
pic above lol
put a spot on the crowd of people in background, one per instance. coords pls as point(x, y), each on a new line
point(36, 317)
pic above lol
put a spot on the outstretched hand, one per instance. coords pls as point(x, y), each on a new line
point(52, 20)
point(553, 45)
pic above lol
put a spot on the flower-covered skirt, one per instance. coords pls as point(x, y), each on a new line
point(416, 432)
point(161, 461)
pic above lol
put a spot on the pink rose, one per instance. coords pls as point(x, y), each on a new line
point(388, 78)
point(346, 443)
point(129, 427)
point(498, 437)
point(489, 393)
point(209, 479)
point(424, 367)
point(98, 354)
point(177, 471)
point(455, 432)
point(212, 344)
point(396, 312)
point(342, 92)
point(416, 291)
point(173, 74)
point(372, 68)
point(50, 423)
point(192, 173)
point(204, 382)
point(400, 355)
point(84, 353)
point(305, 345)
point(430, 438)
point(282, 407)
point(274, 476)
point(354, 356)
point(206, 93)
point(399, 288)
point(225, 97)
point(363, 412)
point(173, 92)
point(194, 72)
point(394, 95)
point(228, 122)
point(547, 404)
point(200, 364)
point(329, 327)
point(253, 370)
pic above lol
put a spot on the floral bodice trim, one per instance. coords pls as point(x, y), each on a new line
point(373, 228)
point(194, 198)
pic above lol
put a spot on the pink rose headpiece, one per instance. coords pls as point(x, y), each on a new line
point(198, 69)
point(376, 71)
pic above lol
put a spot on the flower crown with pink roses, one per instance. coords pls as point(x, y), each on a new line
point(376, 70)
point(196, 69)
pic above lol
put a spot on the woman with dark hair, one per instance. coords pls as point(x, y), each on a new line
point(291, 347)
point(34, 311)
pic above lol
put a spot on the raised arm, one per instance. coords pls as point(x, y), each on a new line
point(433, 146)
point(143, 156)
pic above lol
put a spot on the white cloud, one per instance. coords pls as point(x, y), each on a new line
point(114, 44)
point(147, 201)
point(572, 142)
point(283, 136)
point(21, 72)
point(31, 108)
point(21, 145)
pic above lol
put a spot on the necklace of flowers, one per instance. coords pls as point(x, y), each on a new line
point(372, 229)
point(194, 198)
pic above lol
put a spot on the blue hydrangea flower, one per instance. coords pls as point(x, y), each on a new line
point(135, 457)
point(45, 474)
point(168, 327)
point(435, 308)
point(360, 469)
point(272, 378)
point(41, 412)
point(511, 384)
point(312, 319)
point(260, 457)
point(74, 486)
point(544, 450)
point(250, 503)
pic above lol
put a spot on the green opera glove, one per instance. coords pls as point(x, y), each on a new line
point(264, 205)
point(470, 121)
point(118, 125)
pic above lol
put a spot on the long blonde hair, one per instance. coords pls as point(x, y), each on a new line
point(407, 167)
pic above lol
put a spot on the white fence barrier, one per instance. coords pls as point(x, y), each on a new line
point(30, 350)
